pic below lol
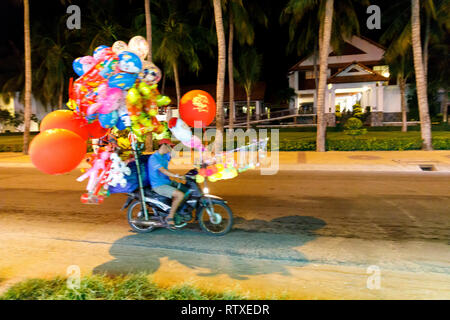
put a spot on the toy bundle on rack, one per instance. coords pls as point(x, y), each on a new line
point(115, 102)
point(224, 166)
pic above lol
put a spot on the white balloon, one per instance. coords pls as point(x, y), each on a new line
point(119, 46)
point(139, 45)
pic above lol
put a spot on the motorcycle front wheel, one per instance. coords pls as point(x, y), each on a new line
point(136, 218)
point(218, 221)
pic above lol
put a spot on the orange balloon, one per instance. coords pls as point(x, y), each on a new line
point(65, 119)
point(95, 130)
point(57, 151)
point(197, 106)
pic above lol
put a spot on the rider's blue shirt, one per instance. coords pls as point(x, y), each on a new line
point(156, 161)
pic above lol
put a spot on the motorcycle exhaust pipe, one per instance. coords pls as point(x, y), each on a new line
point(146, 223)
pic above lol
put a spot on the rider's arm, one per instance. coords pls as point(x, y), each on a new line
point(169, 174)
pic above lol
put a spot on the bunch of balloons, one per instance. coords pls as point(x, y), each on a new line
point(118, 88)
point(217, 172)
point(61, 145)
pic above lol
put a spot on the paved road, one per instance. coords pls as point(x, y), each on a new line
point(297, 234)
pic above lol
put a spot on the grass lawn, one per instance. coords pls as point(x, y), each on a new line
point(13, 139)
point(102, 287)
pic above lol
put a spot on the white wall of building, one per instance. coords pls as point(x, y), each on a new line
point(392, 99)
point(15, 105)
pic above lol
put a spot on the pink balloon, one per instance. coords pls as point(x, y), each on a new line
point(111, 101)
point(88, 62)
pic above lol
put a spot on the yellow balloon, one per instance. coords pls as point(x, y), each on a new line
point(199, 179)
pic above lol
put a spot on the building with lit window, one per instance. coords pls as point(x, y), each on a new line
point(357, 75)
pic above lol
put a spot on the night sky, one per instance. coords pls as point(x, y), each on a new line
point(270, 42)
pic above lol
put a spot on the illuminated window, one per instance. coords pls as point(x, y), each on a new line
point(383, 70)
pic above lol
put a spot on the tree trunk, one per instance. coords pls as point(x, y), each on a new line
point(148, 26)
point(230, 72)
point(27, 107)
point(248, 109)
point(323, 61)
point(220, 74)
point(163, 85)
point(316, 80)
point(425, 48)
point(60, 96)
point(445, 106)
point(177, 83)
point(425, 124)
point(402, 83)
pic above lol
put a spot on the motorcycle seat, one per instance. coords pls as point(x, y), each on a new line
point(152, 194)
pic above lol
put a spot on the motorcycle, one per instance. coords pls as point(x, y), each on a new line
point(212, 213)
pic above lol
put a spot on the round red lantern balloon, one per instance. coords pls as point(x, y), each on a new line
point(197, 106)
point(95, 130)
point(57, 151)
point(65, 119)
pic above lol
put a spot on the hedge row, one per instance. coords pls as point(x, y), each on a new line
point(356, 144)
point(11, 147)
point(371, 144)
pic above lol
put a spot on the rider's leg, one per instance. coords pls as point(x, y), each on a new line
point(177, 197)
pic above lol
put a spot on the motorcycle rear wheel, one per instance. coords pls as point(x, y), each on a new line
point(135, 213)
point(217, 226)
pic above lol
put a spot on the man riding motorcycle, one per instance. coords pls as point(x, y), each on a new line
point(159, 174)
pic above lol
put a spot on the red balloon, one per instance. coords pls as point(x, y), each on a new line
point(57, 151)
point(65, 119)
point(197, 106)
point(95, 130)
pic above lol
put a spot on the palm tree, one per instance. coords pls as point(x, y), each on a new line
point(148, 25)
point(422, 98)
point(28, 84)
point(174, 39)
point(324, 44)
point(343, 24)
point(220, 74)
point(53, 62)
point(239, 20)
point(250, 63)
point(403, 70)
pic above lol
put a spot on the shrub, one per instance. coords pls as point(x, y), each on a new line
point(357, 110)
point(353, 127)
point(364, 144)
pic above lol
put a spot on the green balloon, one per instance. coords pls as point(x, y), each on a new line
point(133, 96)
point(144, 89)
point(162, 100)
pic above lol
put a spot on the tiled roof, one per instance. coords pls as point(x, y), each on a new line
point(369, 77)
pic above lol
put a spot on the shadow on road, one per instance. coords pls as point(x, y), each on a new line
point(253, 247)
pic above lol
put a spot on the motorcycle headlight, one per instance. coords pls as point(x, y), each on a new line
point(205, 190)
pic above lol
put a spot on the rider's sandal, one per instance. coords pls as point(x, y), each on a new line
point(170, 226)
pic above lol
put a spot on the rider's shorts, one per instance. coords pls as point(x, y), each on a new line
point(165, 190)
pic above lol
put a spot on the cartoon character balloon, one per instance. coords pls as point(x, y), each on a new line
point(129, 62)
point(150, 73)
